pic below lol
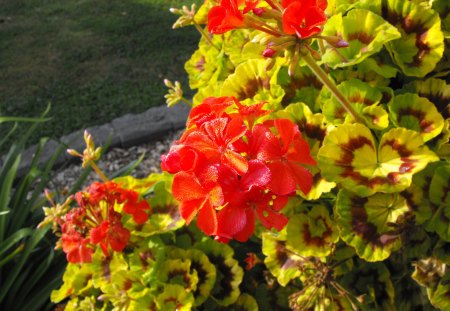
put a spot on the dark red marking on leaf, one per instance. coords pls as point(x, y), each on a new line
point(106, 269)
point(410, 26)
point(281, 255)
point(386, 97)
point(183, 273)
point(227, 274)
point(312, 131)
point(340, 112)
point(318, 241)
point(201, 273)
point(409, 198)
point(402, 150)
point(426, 126)
point(251, 88)
point(144, 257)
point(363, 227)
point(350, 147)
point(297, 83)
point(200, 64)
point(357, 98)
point(441, 102)
point(362, 37)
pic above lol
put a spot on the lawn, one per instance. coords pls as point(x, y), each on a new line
point(93, 60)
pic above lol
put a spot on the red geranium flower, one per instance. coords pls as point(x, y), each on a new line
point(303, 17)
point(110, 233)
point(225, 17)
point(76, 247)
point(285, 158)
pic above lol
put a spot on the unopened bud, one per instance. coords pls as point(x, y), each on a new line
point(73, 153)
point(268, 53)
point(258, 11)
point(336, 41)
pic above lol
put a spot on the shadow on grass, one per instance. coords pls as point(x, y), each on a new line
point(92, 59)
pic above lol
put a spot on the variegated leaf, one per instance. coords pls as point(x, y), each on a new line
point(350, 156)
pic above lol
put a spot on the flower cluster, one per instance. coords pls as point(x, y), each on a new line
point(300, 17)
point(231, 167)
point(97, 220)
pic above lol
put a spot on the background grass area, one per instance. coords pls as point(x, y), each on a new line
point(93, 60)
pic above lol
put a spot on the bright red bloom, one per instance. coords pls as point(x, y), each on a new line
point(285, 158)
point(110, 233)
point(225, 17)
point(96, 221)
point(76, 247)
point(199, 195)
point(303, 17)
point(215, 138)
point(226, 164)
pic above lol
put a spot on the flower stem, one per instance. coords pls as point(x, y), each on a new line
point(323, 77)
point(184, 100)
point(98, 171)
point(205, 35)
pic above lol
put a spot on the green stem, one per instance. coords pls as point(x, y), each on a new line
point(205, 35)
point(98, 171)
point(184, 100)
point(323, 77)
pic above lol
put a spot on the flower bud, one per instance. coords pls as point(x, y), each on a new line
point(268, 52)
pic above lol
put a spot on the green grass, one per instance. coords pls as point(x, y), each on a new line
point(93, 60)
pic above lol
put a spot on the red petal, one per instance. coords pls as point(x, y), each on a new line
point(258, 175)
point(303, 177)
point(301, 152)
point(189, 209)
point(282, 182)
point(207, 220)
point(286, 130)
point(186, 187)
point(271, 219)
point(235, 161)
point(249, 228)
point(231, 220)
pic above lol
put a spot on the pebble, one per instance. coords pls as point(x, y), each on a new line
point(64, 178)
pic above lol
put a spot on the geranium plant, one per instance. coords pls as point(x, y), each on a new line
point(315, 156)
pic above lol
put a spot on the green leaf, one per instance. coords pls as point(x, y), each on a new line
point(76, 278)
point(251, 83)
point(23, 119)
point(204, 269)
point(312, 233)
point(422, 42)
point(365, 223)
point(437, 91)
point(366, 33)
point(281, 262)
point(228, 272)
point(302, 86)
point(350, 157)
point(363, 98)
point(439, 195)
point(246, 302)
point(174, 297)
point(372, 284)
point(416, 113)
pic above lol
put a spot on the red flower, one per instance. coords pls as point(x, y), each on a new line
point(303, 17)
point(76, 247)
point(199, 195)
point(135, 207)
point(230, 170)
point(214, 139)
point(110, 233)
point(285, 158)
point(225, 17)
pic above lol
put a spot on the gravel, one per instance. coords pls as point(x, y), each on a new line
point(64, 178)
